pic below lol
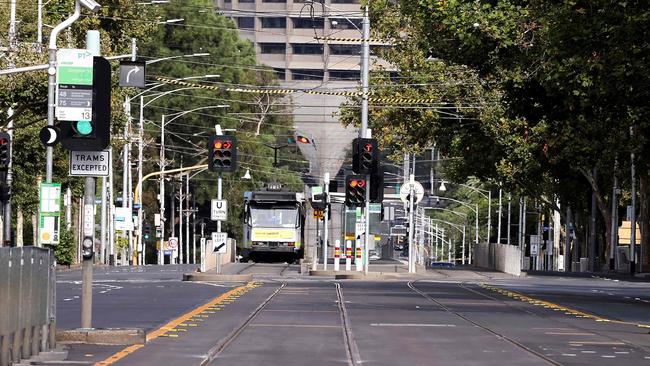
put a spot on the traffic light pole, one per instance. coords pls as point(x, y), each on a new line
point(363, 132)
point(219, 196)
point(411, 225)
point(6, 232)
point(87, 261)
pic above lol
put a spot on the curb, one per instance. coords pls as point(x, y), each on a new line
point(111, 336)
point(213, 277)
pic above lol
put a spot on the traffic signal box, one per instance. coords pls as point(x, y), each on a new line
point(355, 190)
point(222, 153)
point(93, 134)
point(377, 185)
point(5, 151)
point(364, 155)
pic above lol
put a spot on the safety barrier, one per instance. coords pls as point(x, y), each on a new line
point(500, 257)
point(27, 303)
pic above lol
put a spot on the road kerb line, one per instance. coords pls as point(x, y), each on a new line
point(180, 321)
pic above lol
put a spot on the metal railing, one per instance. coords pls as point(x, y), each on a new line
point(27, 303)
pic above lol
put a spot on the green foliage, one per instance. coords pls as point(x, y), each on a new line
point(65, 251)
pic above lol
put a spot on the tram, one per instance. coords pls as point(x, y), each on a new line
point(274, 225)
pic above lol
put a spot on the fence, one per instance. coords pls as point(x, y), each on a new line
point(500, 257)
point(27, 302)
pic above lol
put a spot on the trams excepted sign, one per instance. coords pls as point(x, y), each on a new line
point(90, 163)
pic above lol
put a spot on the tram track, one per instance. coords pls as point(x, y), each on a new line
point(483, 327)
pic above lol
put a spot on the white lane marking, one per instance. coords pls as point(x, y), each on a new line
point(608, 356)
point(68, 299)
point(409, 325)
point(587, 351)
point(569, 354)
point(569, 333)
point(622, 353)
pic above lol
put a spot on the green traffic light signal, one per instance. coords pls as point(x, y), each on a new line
point(83, 128)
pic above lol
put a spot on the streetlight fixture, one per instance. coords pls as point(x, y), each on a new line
point(247, 175)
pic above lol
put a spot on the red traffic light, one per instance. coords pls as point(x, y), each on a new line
point(217, 144)
point(302, 139)
point(227, 144)
point(3, 141)
point(367, 148)
point(358, 183)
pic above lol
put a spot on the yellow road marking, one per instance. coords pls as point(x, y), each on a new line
point(567, 310)
point(180, 321)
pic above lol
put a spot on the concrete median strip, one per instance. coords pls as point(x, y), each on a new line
point(122, 337)
point(170, 329)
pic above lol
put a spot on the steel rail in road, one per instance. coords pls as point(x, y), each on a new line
point(479, 325)
point(225, 342)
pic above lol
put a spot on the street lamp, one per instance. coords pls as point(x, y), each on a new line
point(481, 192)
point(474, 209)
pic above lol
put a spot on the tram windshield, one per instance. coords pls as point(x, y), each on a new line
point(274, 217)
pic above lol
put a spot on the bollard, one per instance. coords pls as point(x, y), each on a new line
point(337, 254)
point(358, 261)
point(348, 255)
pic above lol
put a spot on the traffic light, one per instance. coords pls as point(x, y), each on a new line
point(147, 231)
point(87, 249)
point(222, 153)
point(93, 133)
point(377, 185)
point(5, 150)
point(364, 155)
point(355, 190)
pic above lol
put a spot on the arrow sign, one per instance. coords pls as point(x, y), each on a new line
point(128, 75)
point(132, 74)
point(219, 241)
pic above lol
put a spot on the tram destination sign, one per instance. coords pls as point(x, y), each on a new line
point(74, 85)
point(90, 163)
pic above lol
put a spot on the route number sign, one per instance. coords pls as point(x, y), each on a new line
point(74, 85)
point(219, 210)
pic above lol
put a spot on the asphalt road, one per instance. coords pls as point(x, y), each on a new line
point(131, 297)
point(459, 316)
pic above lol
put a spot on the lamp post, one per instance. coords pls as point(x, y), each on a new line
point(481, 192)
point(473, 209)
point(163, 164)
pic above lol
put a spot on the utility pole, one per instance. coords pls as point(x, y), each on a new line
point(500, 215)
point(326, 185)
point(633, 213)
point(187, 218)
point(161, 255)
point(614, 233)
point(12, 26)
point(127, 166)
point(139, 187)
point(411, 224)
point(7, 205)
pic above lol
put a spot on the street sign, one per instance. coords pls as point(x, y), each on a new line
point(219, 210)
point(123, 219)
point(360, 228)
point(172, 243)
point(132, 74)
point(74, 84)
point(534, 244)
point(219, 241)
point(49, 213)
point(49, 135)
point(316, 190)
point(90, 163)
point(406, 189)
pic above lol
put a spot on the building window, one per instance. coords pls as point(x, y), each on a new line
point(275, 48)
point(342, 23)
point(306, 74)
point(305, 23)
point(345, 49)
point(246, 23)
point(246, 1)
point(307, 49)
point(345, 74)
point(280, 73)
point(274, 22)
